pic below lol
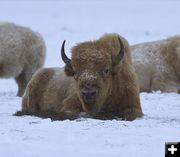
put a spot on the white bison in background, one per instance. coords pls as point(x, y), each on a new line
point(22, 52)
point(157, 65)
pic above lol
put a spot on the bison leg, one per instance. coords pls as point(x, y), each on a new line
point(72, 105)
point(131, 104)
point(169, 89)
point(132, 113)
point(22, 83)
point(165, 85)
point(1, 70)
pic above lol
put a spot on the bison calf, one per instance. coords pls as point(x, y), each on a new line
point(99, 79)
point(157, 65)
point(22, 52)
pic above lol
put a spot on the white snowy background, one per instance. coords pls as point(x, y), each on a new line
point(77, 21)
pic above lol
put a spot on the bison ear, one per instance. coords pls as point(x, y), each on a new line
point(69, 71)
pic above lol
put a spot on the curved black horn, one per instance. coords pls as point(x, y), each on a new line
point(66, 60)
point(120, 55)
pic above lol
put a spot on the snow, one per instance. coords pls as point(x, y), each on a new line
point(88, 76)
point(77, 21)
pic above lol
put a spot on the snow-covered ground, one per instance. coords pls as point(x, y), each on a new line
point(76, 21)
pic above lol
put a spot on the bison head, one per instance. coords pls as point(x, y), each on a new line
point(93, 68)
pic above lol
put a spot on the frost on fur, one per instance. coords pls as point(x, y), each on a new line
point(22, 52)
point(157, 65)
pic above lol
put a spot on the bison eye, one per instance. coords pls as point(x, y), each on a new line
point(76, 75)
point(106, 72)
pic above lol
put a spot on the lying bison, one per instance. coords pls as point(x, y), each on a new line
point(99, 80)
point(157, 65)
point(22, 52)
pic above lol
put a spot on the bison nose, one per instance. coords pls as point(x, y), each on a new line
point(89, 95)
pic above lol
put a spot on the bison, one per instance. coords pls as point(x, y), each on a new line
point(157, 65)
point(22, 52)
point(99, 80)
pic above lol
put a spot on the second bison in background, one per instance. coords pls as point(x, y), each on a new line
point(157, 65)
point(22, 52)
point(99, 80)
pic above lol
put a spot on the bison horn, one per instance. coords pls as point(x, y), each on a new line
point(120, 55)
point(66, 60)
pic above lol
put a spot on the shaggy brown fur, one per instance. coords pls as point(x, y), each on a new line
point(157, 65)
point(22, 52)
point(117, 86)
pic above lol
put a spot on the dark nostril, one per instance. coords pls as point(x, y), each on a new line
point(93, 93)
point(89, 94)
